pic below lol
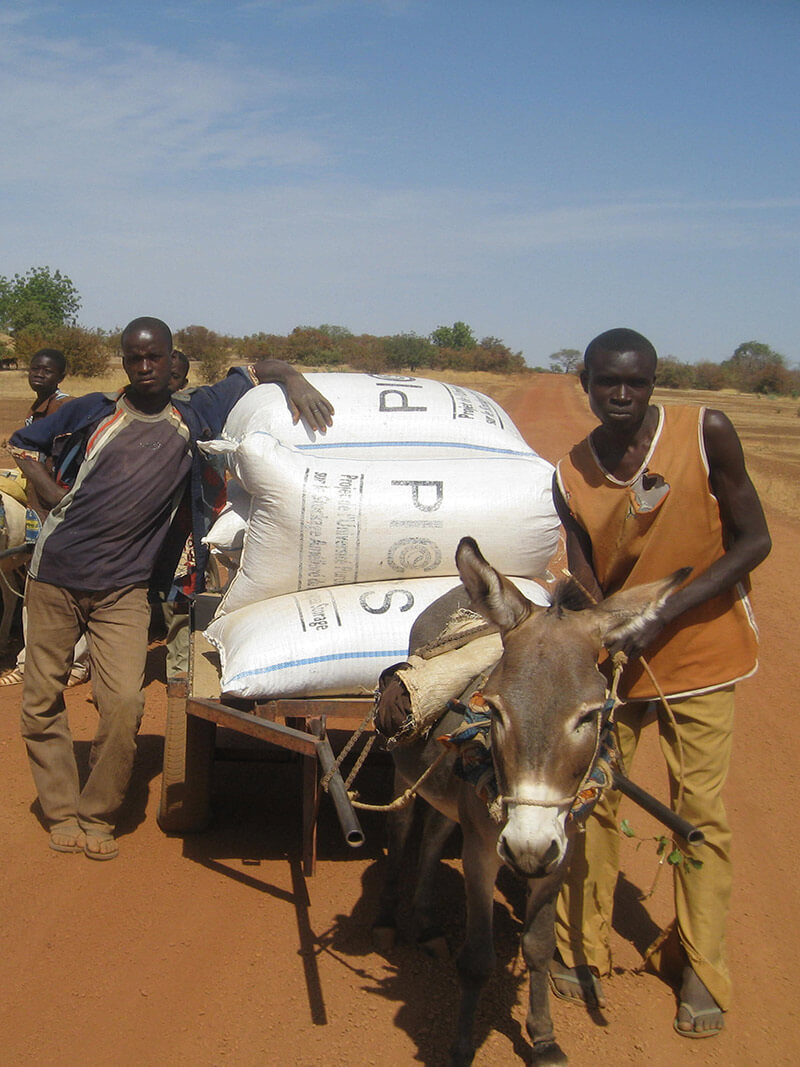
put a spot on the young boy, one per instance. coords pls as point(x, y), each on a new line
point(652, 489)
point(45, 374)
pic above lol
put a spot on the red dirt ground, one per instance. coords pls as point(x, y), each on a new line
point(212, 950)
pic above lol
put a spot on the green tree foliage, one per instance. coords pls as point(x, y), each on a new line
point(566, 361)
point(459, 335)
point(336, 333)
point(408, 351)
point(40, 300)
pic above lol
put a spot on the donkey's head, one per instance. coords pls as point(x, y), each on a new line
point(544, 698)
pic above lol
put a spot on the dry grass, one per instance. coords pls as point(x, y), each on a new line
point(769, 429)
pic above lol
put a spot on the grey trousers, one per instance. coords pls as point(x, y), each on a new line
point(117, 622)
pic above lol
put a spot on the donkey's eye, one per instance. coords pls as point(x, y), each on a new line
point(587, 718)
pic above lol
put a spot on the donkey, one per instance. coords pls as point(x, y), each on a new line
point(545, 699)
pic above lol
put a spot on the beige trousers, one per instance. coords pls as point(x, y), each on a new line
point(702, 896)
point(116, 621)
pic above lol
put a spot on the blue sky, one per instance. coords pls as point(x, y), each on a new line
point(541, 169)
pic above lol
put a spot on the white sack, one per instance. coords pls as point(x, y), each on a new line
point(326, 640)
point(325, 521)
point(382, 415)
point(227, 533)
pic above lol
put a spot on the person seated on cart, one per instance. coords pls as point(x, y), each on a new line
point(129, 466)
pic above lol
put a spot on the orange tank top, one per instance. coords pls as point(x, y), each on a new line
point(663, 518)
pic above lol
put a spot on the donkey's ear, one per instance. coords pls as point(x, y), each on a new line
point(492, 594)
point(626, 612)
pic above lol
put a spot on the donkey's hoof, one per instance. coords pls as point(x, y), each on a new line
point(548, 1054)
point(384, 938)
point(434, 944)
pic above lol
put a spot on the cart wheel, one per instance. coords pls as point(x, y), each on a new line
point(188, 763)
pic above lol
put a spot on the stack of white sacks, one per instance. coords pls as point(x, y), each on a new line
point(343, 539)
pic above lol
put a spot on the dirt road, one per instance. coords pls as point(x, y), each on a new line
point(212, 950)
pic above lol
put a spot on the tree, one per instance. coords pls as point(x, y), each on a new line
point(755, 368)
point(459, 335)
point(336, 333)
point(209, 349)
point(566, 360)
point(40, 300)
point(408, 351)
point(672, 374)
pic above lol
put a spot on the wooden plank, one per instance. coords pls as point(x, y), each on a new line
point(274, 732)
point(314, 707)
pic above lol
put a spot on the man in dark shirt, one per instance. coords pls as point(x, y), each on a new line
point(128, 461)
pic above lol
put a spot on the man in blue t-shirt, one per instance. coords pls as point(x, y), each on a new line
point(128, 469)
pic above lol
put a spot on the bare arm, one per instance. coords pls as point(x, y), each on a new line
point(747, 540)
point(579, 545)
point(304, 401)
point(46, 492)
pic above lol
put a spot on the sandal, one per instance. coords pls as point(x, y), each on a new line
point(588, 987)
point(67, 838)
point(100, 846)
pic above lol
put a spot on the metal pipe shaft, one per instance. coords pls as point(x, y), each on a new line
point(351, 828)
point(680, 827)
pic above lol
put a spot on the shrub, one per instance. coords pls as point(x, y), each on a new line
point(88, 352)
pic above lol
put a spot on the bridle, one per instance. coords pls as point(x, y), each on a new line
point(603, 723)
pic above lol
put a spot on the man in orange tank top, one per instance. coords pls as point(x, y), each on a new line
point(650, 490)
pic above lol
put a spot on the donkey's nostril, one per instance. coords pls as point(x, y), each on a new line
point(506, 852)
point(552, 855)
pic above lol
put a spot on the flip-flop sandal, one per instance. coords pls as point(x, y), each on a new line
point(95, 853)
point(588, 983)
point(693, 1017)
point(67, 839)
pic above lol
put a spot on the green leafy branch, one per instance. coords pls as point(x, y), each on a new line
point(666, 850)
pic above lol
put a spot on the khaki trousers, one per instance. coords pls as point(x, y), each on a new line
point(702, 896)
point(116, 621)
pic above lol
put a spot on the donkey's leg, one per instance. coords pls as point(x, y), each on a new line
point(436, 830)
point(477, 959)
point(398, 827)
point(538, 945)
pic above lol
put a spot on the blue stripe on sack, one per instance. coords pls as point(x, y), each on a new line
point(330, 446)
point(394, 653)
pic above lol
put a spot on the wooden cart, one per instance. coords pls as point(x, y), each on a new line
point(195, 709)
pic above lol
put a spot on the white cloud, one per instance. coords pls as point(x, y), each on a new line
point(124, 113)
